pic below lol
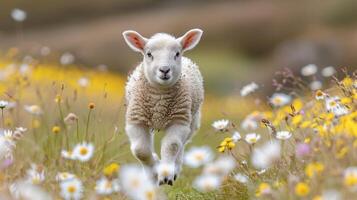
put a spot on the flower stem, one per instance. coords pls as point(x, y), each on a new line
point(2, 116)
point(90, 111)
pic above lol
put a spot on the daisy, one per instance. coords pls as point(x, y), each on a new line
point(71, 189)
point(198, 156)
point(68, 155)
point(25, 190)
point(309, 70)
point(136, 183)
point(328, 71)
point(241, 178)
point(283, 135)
point(18, 15)
point(315, 85)
point(3, 104)
point(236, 136)
point(105, 186)
point(221, 125)
point(247, 89)
point(33, 109)
point(83, 82)
point(35, 175)
point(265, 155)
point(252, 138)
point(64, 176)
point(221, 167)
point(280, 99)
point(320, 95)
point(207, 182)
point(350, 177)
point(83, 151)
point(249, 124)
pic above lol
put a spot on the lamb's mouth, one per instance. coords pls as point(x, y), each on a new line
point(165, 77)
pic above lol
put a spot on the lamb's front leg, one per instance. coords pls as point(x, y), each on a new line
point(171, 147)
point(141, 144)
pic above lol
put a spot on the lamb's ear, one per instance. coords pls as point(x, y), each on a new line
point(190, 39)
point(135, 40)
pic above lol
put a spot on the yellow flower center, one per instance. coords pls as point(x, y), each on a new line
point(199, 157)
point(83, 151)
point(71, 189)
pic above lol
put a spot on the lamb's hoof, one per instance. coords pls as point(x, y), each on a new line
point(166, 174)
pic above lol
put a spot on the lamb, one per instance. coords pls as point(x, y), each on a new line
point(164, 92)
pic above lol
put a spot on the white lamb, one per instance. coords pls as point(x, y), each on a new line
point(165, 92)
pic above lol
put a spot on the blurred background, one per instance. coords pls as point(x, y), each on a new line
point(244, 40)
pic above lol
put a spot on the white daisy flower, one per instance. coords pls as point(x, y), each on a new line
point(283, 135)
point(35, 175)
point(221, 167)
point(71, 118)
point(221, 125)
point(21, 129)
point(68, 155)
point(45, 51)
point(350, 173)
point(105, 186)
point(266, 155)
point(315, 85)
point(25, 190)
point(3, 104)
point(83, 82)
point(71, 189)
point(67, 58)
point(198, 156)
point(83, 151)
point(247, 89)
point(5, 148)
point(136, 182)
point(249, 124)
point(33, 109)
point(236, 136)
point(18, 15)
point(207, 182)
point(64, 176)
point(241, 178)
point(340, 110)
point(320, 95)
point(280, 99)
point(309, 70)
point(252, 138)
point(328, 71)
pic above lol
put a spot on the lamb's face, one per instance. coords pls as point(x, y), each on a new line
point(162, 60)
point(162, 54)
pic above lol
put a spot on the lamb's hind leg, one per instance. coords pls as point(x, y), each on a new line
point(171, 146)
point(141, 144)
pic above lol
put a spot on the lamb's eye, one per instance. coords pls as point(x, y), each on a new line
point(149, 55)
point(177, 54)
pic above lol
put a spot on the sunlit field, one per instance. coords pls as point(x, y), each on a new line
point(62, 137)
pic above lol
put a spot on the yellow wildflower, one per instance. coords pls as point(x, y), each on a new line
point(263, 188)
point(302, 189)
point(305, 124)
point(56, 129)
point(227, 143)
point(296, 120)
point(111, 169)
point(314, 168)
point(347, 81)
point(342, 153)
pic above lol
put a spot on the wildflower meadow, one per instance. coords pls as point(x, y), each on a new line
point(62, 134)
point(62, 137)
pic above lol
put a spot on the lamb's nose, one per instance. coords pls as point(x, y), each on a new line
point(165, 71)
